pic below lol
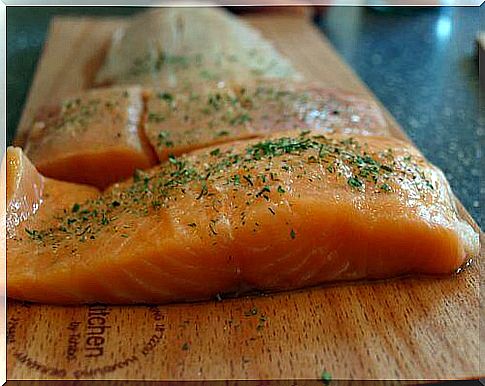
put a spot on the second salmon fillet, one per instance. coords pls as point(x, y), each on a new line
point(101, 136)
point(194, 117)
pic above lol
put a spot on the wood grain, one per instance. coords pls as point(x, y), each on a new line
point(73, 52)
point(413, 328)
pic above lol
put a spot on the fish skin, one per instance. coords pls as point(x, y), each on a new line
point(91, 138)
point(321, 229)
point(180, 120)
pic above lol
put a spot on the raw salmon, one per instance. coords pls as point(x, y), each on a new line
point(174, 47)
point(100, 137)
point(92, 138)
point(192, 118)
point(292, 210)
point(28, 191)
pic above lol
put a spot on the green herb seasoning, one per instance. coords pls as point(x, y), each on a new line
point(326, 377)
point(215, 152)
point(155, 63)
point(164, 139)
point(255, 172)
point(354, 182)
point(34, 234)
point(76, 115)
point(222, 133)
point(154, 117)
point(167, 97)
point(385, 187)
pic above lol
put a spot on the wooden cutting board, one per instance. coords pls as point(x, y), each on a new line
point(413, 328)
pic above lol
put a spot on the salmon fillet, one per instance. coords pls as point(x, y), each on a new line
point(292, 210)
point(102, 136)
point(92, 138)
point(174, 47)
point(192, 118)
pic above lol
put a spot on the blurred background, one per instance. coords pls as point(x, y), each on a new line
point(421, 62)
